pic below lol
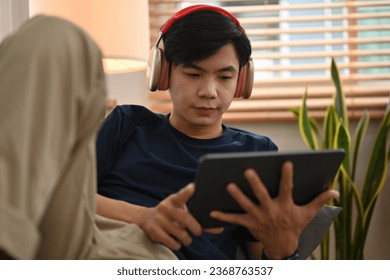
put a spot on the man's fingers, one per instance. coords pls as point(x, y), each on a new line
point(246, 204)
point(322, 199)
point(213, 230)
point(258, 187)
point(179, 234)
point(187, 221)
point(286, 181)
point(238, 219)
point(180, 215)
point(181, 197)
point(161, 236)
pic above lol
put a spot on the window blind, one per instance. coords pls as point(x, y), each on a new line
point(293, 43)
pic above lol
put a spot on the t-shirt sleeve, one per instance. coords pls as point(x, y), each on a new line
point(111, 138)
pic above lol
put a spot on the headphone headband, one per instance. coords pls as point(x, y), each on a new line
point(195, 8)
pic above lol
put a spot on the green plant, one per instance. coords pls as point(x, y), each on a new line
point(357, 200)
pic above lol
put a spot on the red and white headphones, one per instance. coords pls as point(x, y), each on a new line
point(158, 64)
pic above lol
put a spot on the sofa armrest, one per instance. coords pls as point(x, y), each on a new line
point(312, 235)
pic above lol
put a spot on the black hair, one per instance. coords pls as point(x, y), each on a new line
point(201, 34)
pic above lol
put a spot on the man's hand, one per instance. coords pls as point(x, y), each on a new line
point(170, 222)
point(277, 223)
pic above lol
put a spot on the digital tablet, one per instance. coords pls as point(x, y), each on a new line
point(314, 172)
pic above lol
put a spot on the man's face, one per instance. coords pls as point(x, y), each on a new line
point(202, 91)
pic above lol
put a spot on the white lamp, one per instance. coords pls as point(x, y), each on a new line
point(121, 29)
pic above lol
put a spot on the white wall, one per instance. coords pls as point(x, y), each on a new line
point(12, 14)
point(128, 88)
point(125, 88)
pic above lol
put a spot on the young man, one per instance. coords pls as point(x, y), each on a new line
point(52, 101)
point(147, 161)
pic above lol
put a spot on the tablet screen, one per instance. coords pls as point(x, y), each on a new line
point(314, 172)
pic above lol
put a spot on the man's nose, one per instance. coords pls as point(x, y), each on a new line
point(208, 88)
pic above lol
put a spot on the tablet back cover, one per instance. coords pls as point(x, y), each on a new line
point(314, 172)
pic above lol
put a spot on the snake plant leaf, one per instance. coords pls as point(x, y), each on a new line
point(362, 235)
point(378, 162)
point(358, 201)
point(362, 230)
point(342, 140)
point(359, 135)
point(304, 125)
point(339, 98)
point(354, 249)
point(381, 184)
point(313, 123)
point(330, 124)
point(355, 191)
point(294, 110)
point(375, 179)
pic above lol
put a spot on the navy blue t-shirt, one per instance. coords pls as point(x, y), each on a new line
point(142, 159)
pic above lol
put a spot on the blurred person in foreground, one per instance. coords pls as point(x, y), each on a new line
point(52, 101)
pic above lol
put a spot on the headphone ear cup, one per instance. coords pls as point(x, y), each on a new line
point(158, 70)
point(154, 67)
point(245, 80)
